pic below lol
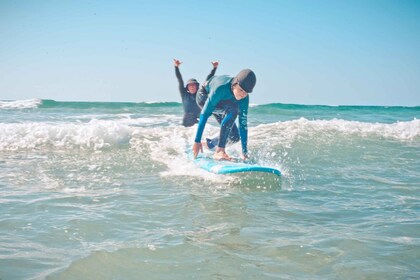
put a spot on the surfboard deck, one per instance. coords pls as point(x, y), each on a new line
point(230, 167)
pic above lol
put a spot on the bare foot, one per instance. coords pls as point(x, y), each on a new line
point(221, 155)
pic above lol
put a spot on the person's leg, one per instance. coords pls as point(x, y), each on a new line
point(230, 112)
point(226, 114)
point(232, 138)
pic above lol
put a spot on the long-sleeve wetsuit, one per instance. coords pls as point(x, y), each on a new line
point(191, 109)
point(222, 104)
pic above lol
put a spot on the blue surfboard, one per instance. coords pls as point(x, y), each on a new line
point(230, 167)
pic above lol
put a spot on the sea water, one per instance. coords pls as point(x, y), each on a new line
point(92, 190)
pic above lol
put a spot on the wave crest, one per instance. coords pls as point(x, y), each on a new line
point(21, 104)
point(406, 131)
point(93, 135)
point(100, 134)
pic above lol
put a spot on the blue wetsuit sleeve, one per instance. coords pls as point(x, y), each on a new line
point(243, 124)
point(244, 140)
point(207, 110)
point(200, 129)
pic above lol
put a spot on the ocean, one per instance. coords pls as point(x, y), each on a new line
point(102, 190)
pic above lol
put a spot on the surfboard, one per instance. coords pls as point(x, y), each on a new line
point(230, 167)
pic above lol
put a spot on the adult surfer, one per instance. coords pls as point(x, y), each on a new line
point(188, 94)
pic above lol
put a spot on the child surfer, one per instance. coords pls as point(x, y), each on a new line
point(226, 98)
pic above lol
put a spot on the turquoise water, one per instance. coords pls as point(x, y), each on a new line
point(92, 190)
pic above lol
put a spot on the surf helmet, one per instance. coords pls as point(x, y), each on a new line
point(246, 79)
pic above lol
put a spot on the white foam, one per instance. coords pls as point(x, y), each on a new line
point(93, 135)
point(406, 131)
point(99, 134)
point(168, 146)
point(20, 104)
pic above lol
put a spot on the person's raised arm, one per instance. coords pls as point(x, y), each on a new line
point(213, 71)
point(178, 75)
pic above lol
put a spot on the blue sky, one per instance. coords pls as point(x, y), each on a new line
point(303, 52)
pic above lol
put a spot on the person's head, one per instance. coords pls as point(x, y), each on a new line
point(192, 86)
point(243, 83)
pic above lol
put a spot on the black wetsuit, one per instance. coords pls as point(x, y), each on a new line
point(191, 109)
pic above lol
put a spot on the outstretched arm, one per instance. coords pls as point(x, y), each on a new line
point(177, 62)
point(206, 112)
point(197, 147)
point(243, 126)
point(178, 75)
point(213, 71)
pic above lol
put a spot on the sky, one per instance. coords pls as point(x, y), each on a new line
point(324, 52)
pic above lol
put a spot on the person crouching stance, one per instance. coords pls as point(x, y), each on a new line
point(226, 98)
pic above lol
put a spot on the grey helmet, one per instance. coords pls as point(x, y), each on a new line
point(246, 79)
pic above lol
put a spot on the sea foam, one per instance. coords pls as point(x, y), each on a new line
point(99, 134)
point(93, 135)
point(405, 131)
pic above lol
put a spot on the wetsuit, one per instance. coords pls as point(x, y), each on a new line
point(191, 110)
point(217, 98)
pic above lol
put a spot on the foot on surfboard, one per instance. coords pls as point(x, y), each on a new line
point(221, 155)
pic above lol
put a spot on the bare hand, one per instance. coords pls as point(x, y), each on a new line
point(197, 147)
point(215, 64)
point(177, 62)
